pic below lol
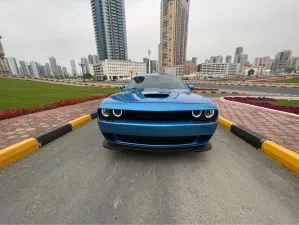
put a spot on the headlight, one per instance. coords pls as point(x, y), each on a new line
point(105, 112)
point(117, 113)
point(209, 113)
point(196, 113)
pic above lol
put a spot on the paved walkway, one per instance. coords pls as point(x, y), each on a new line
point(278, 127)
point(17, 129)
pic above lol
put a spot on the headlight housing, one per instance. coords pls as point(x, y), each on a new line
point(209, 113)
point(105, 112)
point(196, 113)
point(117, 113)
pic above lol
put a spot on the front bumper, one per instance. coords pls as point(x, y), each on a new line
point(202, 133)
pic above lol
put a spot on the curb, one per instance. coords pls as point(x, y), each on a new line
point(284, 156)
point(21, 149)
point(280, 154)
point(220, 92)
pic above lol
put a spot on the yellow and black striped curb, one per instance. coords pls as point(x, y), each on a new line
point(19, 150)
point(284, 156)
point(220, 92)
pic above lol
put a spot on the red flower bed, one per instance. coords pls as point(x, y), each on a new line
point(264, 102)
point(11, 113)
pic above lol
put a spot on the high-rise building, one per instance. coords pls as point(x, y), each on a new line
point(85, 62)
point(207, 61)
point(266, 61)
point(64, 71)
point(13, 65)
point(194, 61)
point(282, 61)
point(243, 62)
point(3, 69)
point(295, 63)
point(90, 58)
point(219, 59)
point(95, 59)
point(257, 62)
point(146, 60)
point(213, 59)
point(109, 22)
point(24, 68)
point(238, 54)
point(59, 70)
point(6, 63)
point(34, 68)
point(154, 66)
point(228, 59)
point(43, 70)
point(54, 65)
point(49, 70)
point(174, 19)
point(74, 68)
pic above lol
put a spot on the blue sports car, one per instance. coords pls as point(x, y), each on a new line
point(157, 112)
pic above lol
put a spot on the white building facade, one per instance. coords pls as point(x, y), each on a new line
point(115, 69)
point(177, 70)
point(219, 69)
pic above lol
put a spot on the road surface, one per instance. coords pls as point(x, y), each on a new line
point(277, 90)
point(75, 180)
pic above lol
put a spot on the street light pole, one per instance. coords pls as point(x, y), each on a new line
point(82, 65)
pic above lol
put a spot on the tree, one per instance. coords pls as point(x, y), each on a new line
point(87, 76)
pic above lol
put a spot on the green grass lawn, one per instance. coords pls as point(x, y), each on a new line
point(294, 80)
point(16, 94)
point(282, 102)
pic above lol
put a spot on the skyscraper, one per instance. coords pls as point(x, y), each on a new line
point(24, 68)
point(49, 70)
point(74, 68)
point(3, 69)
point(219, 59)
point(34, 68)
point(13, 65)
point(109, 23)
point(194, 61)
point(54, 65)
point(238, 54)
point(257, 62)
point(59, 69)
point(86, 65)
point(174, 17)
point(6, 63)
point(64, 71)
point(228, 59)
point(213, 59)
point(95, 59)
point(243, 62)
point(146, 60)
point(282, 60)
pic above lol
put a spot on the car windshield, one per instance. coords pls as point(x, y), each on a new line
point(167, 82)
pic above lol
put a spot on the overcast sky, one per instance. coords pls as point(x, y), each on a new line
point(34, 30)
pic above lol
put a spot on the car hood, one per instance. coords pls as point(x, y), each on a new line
point(157, 96)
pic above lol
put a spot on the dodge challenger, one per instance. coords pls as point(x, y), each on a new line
point(157, 112)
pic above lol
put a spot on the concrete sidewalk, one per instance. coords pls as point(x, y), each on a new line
point(278, 127)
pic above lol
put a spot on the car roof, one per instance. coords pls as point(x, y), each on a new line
point(155, 75)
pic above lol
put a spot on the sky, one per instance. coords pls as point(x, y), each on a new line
point(34, 30)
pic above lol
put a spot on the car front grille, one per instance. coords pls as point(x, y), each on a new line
point(157, 140)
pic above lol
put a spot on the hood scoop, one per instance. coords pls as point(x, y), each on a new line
point(156, 95)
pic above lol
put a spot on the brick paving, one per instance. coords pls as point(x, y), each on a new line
point(280, 128)
point(19, 128)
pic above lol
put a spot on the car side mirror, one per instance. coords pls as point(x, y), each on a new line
point(191, 87)
point(122, 87)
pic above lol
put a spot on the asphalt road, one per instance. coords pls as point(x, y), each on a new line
point(278, 90)
point(75, 180)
